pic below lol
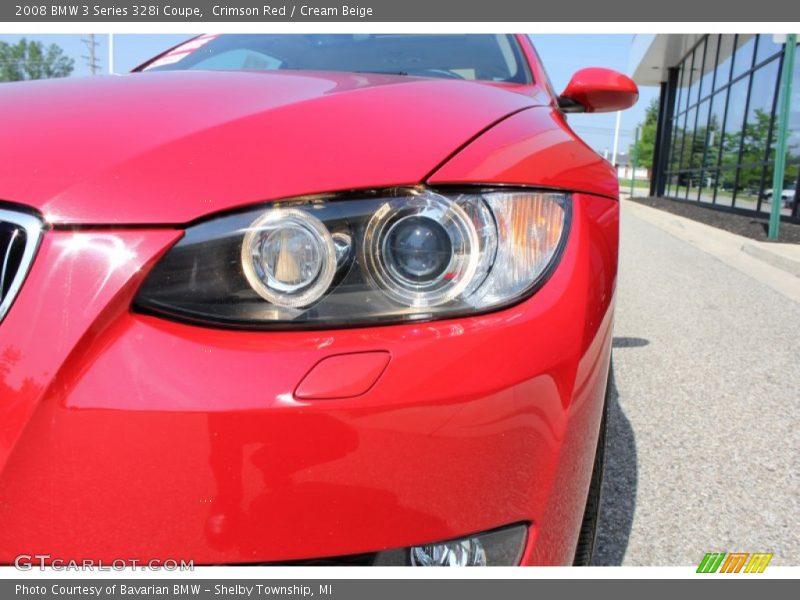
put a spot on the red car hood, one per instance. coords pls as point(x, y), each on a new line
point(171, 147)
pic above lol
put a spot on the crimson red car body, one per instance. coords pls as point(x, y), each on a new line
point(126, 435)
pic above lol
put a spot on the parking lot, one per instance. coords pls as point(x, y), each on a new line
point(703, 443)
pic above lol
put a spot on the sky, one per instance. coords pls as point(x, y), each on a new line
point(561, 54)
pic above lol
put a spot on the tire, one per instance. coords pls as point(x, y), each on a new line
point(586, 538)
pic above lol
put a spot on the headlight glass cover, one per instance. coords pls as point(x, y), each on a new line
point(497, 548)
point(360, 258)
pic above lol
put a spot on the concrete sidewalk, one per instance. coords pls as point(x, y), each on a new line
point(703, 448)
point(775, 265)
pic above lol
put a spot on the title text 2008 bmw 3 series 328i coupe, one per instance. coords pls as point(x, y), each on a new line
point(306, 299)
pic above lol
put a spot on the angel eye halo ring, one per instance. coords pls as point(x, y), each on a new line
point(424, 250)
point(289, 257)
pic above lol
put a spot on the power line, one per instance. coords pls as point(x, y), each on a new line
point(594, 129)
point(23, 61)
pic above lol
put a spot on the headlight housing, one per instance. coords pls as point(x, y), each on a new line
point(497, 548)
point(370, 257)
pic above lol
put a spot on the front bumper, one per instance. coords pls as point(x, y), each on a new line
point(125, 436)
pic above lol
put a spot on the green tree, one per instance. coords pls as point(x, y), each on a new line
point(754, 149)
point(33, 60)
point(647, 137)
point(713, 141)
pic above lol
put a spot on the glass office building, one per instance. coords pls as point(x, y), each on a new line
point(717, 129)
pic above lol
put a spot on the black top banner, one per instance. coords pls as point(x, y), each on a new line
point(493, 11)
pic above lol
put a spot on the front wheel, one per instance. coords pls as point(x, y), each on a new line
point(586, 538)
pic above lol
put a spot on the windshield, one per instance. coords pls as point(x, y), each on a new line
point(472, 57)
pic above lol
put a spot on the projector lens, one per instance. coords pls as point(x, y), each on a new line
point(417, 249)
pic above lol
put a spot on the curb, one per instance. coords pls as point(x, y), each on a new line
point(772, 264)
point(788, 259)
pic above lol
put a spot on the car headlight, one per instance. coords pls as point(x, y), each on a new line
point(390, 256)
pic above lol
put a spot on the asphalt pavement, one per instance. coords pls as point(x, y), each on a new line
point(703, 447)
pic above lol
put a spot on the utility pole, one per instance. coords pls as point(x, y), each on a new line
point(789, 48)
point(110, 53)
point(616, 139)
point(92, 61)
point(634, 157)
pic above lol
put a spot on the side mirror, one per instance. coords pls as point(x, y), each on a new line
point(598, 90)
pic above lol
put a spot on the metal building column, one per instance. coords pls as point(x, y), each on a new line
point(666, 106)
